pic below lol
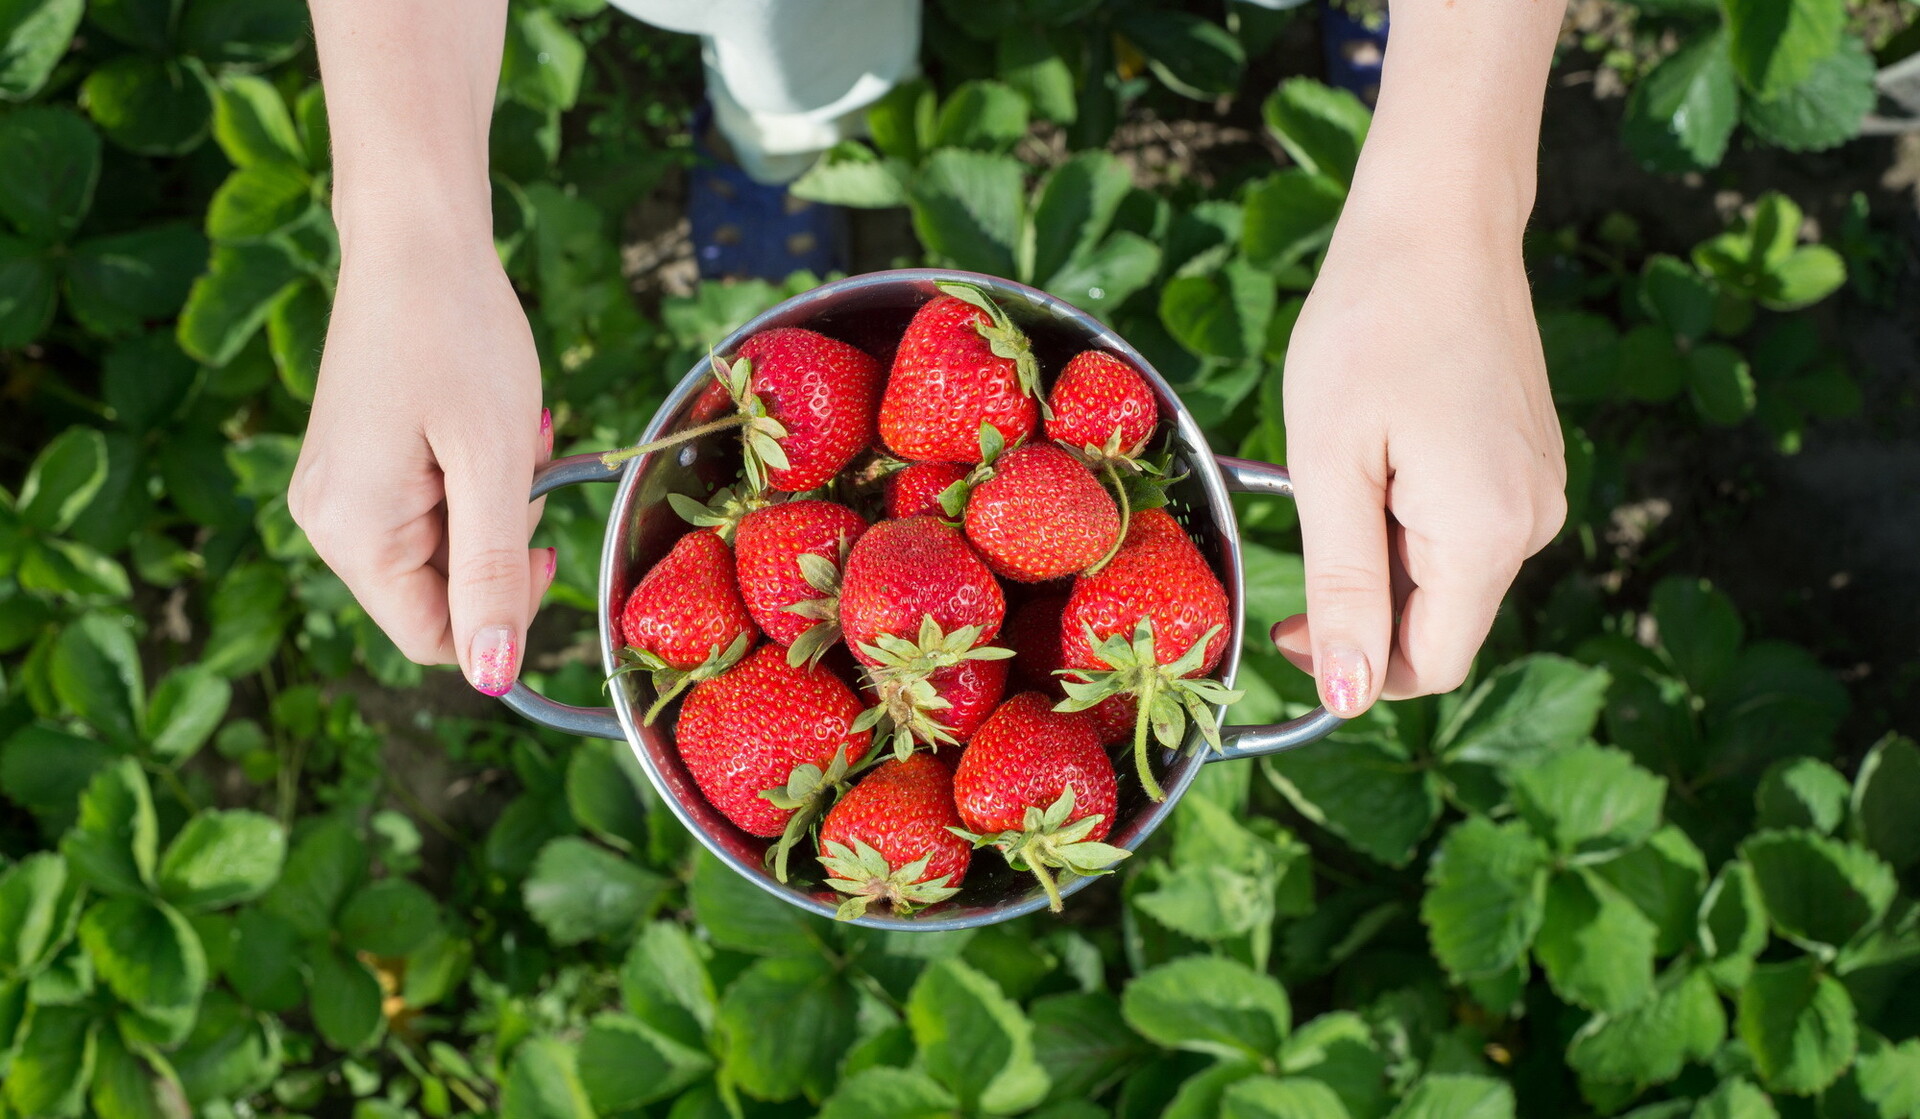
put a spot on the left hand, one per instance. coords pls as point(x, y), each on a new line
point(1424, 448)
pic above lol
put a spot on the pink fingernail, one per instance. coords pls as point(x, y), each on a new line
point(1345, 680)
point(546, 430)
point(495, 657)
point(553, 559)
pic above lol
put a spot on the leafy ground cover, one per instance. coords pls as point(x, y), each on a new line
point(1656, 859)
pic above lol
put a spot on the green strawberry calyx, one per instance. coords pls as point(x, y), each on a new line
point(908, 703)
point(863, 875)
point(1166, 695)
point(723, 511)
point(823, 575)
point(668, 681)
point(1003, 338)
point(953, 499)
point(807, 793)
point(1051, 839)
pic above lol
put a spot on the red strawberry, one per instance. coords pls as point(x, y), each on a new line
point(1101, 404)
point(1032, 631)
point(889, 838)
point(766, 742)
point(1041, 515)
point(915, 490)
point(822, 391)
point(789, 557)
point(961, 364)
point(1148, 625)
point(1037, 784)
point(685, 621)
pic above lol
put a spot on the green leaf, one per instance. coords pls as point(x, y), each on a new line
point(1721, 384)
point(1378, 801)
point(143, 24)
point(1031, 64)
point(1290, 216)
point(267, 973)
point(1681, 115)
point(1652, 367)
point(232, 1052)
point(665, 981)
point(1735, 1098)
point(1074, 210)
point(63, 479)
point(54, 1063)
point(974, 1040)
point(1583, 355)
point(325, 865)
point(150, 105)
point(1798, 1024)
point(1220, 316)
point(1733, 923)
point(187, 706)
point(1338, 1049)
point(28, 291)
point(1083, 1043)
point(49, 163)
point(1589, 800)
point(1266, 1097)
point(1195, 57)
point(1700, 631)
point(815, 1009)
point(1776, 701)
point(1447, 1096)
point(1209, 1004)
point(543, 60)
point(578, 891)
point(1819, 891)
point(1649, 1044)
point(38, 901)
point(146, 952)
point(1677, 296)
point(118, 284)
point(604, 800)
point(127, 1085)
point(970, 208)
point(1320, 127)
point(1101, 279)
point(1801, 793)
point(1884, 793)
point(221, 858)
point(230, 302)
point(851, 174)
point(111, 847)
point(1822, 110)
point(739, 915)
point(259, 201)
point(346, 999)
point(889, 1093)
point(544, 1083)
point(391, 917)
point(1486, 890)
point(253, 33)
point(1531, 706)
point(1664, 879)
point(1596, 948)
point(296, 333)
point(1776, 44)
point(34, 34)
point(624, 1063)
point(46, 770)
point(1884, 1082)
point(982, 115)
point(1807, 275)
point(252, 124)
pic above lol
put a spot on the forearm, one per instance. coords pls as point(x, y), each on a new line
point(1457, 127)
point(410, 91)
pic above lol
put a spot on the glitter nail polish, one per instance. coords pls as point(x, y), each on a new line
point(546, 430)
point(553, 558)
point(495, 660)
point(1346, 680)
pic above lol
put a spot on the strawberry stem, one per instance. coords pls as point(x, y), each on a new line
point(1126, 515)
point(1033, 853)
point(1142, 716)
point(667, 693)
point(615, 458)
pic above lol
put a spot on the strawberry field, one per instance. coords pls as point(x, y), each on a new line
point(1658, 857)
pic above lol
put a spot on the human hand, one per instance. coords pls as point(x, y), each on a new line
point(1423, 444)
point(412, 481)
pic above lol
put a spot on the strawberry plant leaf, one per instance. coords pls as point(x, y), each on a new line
point(186, 708)
point(267, 974)
point(578, 891)
point(1083, 1043)
point(970, 208)
point(146, 953)
point(1883, 1081)
point(624, 1063)
point(1195, 57)
point(39, 903)
point(227, 305)
point(55, 1062)
point(1677, 296)
point(33, 37)
point(1454, 1096)
point(394, 917)
point(117, 284)
point(1651, 366)
point(1589, 801)
point(1320, 127)
point(150, 105)
point(815, 1005)
point(1338, 1050)
point(258, 201)
point(1721, 384)
point(1289, 216)
point(1033, 65)
point(1823, 109)
point(246, 32)
point(981, 115)
point(889, 1093)
point(604, 799)
point(1583, 355)
point(1820, 892)
point(1700, 631)
point(544, 1083)
point(1362, 789)
point(221, 858)
point(112, 845)
point(851, 174)
point(1650, 1043)
point(1776, 44)
point(666, 982)
point(252, 125)
point(325, 865)
point(1074, 209)
point(64, 477)
point(1212, 1005)
point(1594, 945)
point(1801, 793)
point(1663, 878)
point(28, 291)
point(346, 999)
point(1735, 1098)
point(1884, 793)
point(543, 60)
point(1681, 115)
point(1732, 925)
point(740, 916)
point(1532, 706)
point(1268, 1097)
point(1486, 887)
point(1775, 701)
point(49, 164)
point(1798, 1024)
point(1220, 316)
point(974, 1040)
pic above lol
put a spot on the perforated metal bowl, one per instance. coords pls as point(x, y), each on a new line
point(643, 527)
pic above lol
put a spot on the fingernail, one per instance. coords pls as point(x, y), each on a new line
point(495, 657)
point(546, 430)
point(1345, 680)
point(553, 560)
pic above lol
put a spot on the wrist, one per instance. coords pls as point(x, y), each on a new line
point(414, 219)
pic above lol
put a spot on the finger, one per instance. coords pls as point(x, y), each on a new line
point(1294, 638)
point(541, 564)
point(488, 568)
point(538, 505)
point(394, 580)
point(1446, 619)
point(1343, 530)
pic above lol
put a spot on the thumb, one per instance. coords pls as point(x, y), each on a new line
point(1343, 532)
point(488, 568)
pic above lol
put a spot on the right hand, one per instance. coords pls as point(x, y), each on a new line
point(426, 427)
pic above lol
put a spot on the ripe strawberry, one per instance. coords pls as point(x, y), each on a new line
point(961, 364)
point(915, 489)
point(767, 742)
point(1036, 784)
point(820, 390)
point(788, 557)
point(1032, 631)
point(889, 838)
point(901, 573)
point(1039, 514)
point(685, 621)
point(1146, 626)
point(1101, 405)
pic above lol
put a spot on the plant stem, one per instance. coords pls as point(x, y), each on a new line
point(1030, 853)
point(1140, 718)
point(615, 458)
point(671, 688)
point(1126, 516)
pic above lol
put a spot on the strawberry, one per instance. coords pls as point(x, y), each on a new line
point(889, 839)
point(685, 621)
point(767, 742)
point(915, 489)
point(1037, 514)
point(1036, 784)
point(1032, 631)
point(788, 557)
point(1101, 405)
point(962, 363)
point(1147, 626)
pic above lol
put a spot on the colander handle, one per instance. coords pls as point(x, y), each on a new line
point(1247, 476)
point(587, 722)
